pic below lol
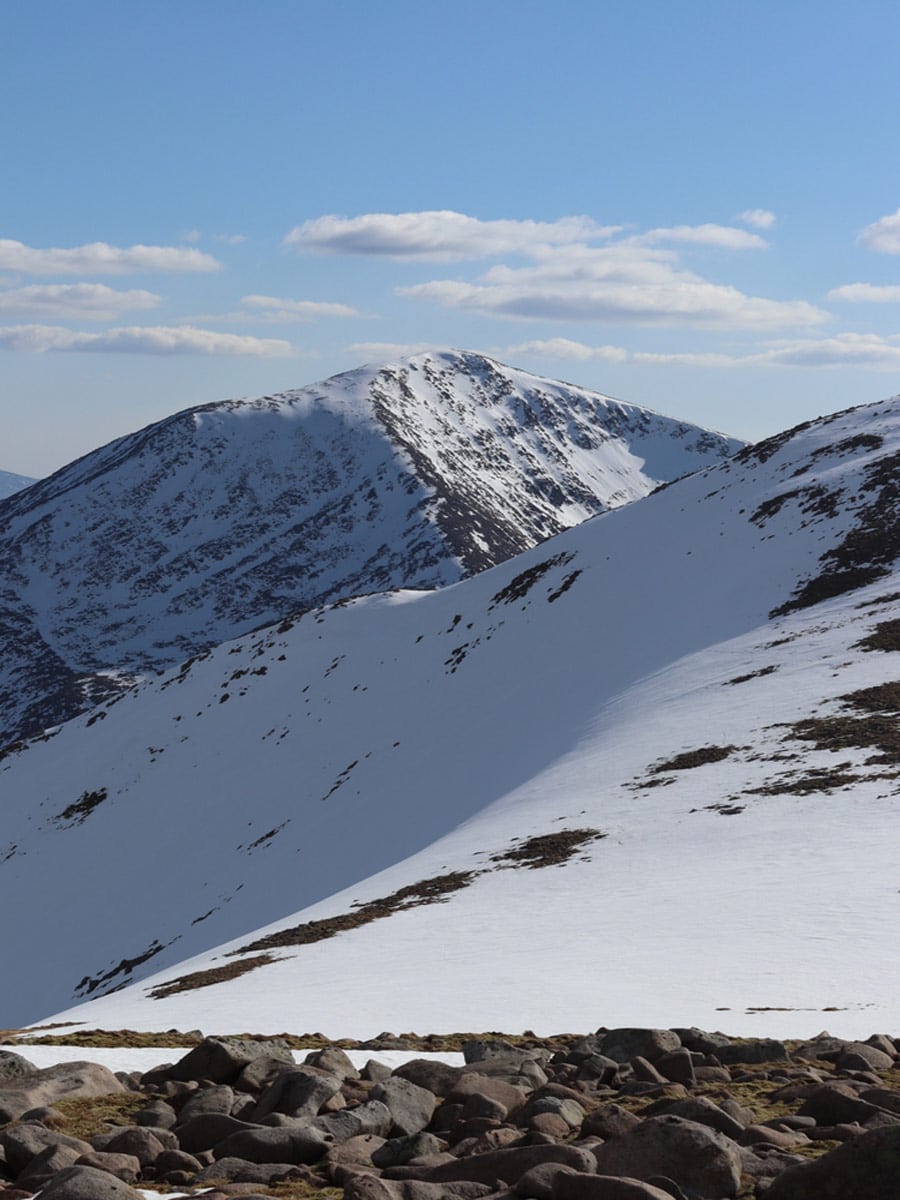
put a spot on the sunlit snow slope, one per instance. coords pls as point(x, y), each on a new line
point(225, 517)
point(636, 687)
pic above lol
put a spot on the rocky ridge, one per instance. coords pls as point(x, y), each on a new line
point(620, 1114)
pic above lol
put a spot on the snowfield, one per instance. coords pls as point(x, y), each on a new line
point(614, 781)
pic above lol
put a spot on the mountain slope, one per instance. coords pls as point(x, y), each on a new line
point(621, 687)
point(10, 482)
point(225, 517)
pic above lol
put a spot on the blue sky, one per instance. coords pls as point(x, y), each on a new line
point(694, 206)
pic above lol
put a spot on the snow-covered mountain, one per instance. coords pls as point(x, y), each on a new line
point(10, 482)
point(645, 773)
point(228, 516)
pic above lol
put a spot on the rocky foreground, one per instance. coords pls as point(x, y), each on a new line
point(624, 1114)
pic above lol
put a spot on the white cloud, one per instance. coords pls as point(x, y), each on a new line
point(376, 351)
point(86, 301)
point(439, 236)
point(272, 308)
point(566, 348)
point(138, 339)
point(192, 235)
point(883, 235)
point(858, 293)
point(622, 283)
point(99, 258)
point(231, 239)
point(867, 351)
point(759, 218)
point(725, 236)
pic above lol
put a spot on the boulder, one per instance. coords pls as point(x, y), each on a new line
point(472, 1083)
point(239, 1170)
point(436, 1077)
point(333, 1060)
point(45, 1165)
point(604, 1187)
point(702, 1110)
point(411, 1107)
point(222, 1060)
point(622, 1045)
point(753, 1051)
point(865, 1168)
point(14, 1066)
point(694, 1156)
point(139, 1141)
point(39, 1088)
point(609, 1121)
point(400, 1150)
point(216, 1099)
point(374, 1117)
point(298, 1091)
point(204, 1132)
point(22, 1143)
point(124, 1166)
point(87, 1183)
point(537, 1184)
point(859, 1056)
point(509, 1165)
point(297, 1144)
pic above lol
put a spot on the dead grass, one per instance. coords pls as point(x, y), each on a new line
point(693, 758)
point(115, 1038)
point(885, 636)
point(202, 979)
point(427, 891)
point(548, 849)
point(86, 1116)
point(752, 675)
point(878, 730)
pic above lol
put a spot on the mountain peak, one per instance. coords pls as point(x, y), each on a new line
point(221, 518)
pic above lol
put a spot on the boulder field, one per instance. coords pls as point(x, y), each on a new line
point(621, 1114)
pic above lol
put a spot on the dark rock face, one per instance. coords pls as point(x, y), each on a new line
point(556, 1133)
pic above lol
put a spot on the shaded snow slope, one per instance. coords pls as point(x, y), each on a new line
point(228, 516)
point(10, 482)
point(400, 751)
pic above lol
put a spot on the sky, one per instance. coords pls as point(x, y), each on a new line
point(690, 205)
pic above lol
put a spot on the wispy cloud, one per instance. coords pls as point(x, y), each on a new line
point(758, 218)
point(99, 258)
point(883, 235)
point(376, 351)
point(866, 293)
point(566, 348)
point(724, 236)
point(86, 301)
point(139, 339)
point(276, 309)
point(437, 236)
point(621, 283)
point(867, 351)
point(230, 239)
